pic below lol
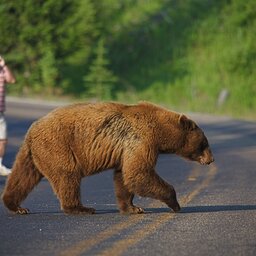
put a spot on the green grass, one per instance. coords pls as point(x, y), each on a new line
point(188, 68)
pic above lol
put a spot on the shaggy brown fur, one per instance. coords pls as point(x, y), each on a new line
point(83, 139)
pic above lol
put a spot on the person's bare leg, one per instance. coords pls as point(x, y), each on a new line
point(3, 169)
point(2, 147)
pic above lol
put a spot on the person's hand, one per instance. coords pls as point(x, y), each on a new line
point(2, 62)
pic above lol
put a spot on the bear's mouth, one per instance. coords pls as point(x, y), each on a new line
point(204, 161)
point(201, 159)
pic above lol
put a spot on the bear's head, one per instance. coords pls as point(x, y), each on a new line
point(195, 145)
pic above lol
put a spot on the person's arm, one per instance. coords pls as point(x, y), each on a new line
point(9, 77)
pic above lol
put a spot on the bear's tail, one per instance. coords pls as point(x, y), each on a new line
point(23, 178)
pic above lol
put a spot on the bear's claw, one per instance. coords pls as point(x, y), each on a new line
point(176, 208)
point(133, 210)
point(22, 211)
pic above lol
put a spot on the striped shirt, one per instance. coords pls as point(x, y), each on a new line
point(2, 89)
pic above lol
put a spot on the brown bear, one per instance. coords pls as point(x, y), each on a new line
point(79, 140)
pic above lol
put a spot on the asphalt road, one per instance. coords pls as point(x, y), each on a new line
point(218, 202)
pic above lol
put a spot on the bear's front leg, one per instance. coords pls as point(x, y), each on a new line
point(171, 201)
point(140, 178)
point(124, 197)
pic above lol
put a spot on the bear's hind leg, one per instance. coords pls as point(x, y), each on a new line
point(124, 197)
point(67, 188)
point(21, 181)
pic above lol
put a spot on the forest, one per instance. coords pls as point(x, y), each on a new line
point(193, 55)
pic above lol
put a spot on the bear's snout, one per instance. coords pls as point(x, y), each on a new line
point(206, 158)
point(206, 162)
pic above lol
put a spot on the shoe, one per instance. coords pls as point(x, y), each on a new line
point(4, 171)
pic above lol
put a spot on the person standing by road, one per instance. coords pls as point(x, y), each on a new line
point(6, 76)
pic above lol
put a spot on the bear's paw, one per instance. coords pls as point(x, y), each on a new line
point(22, 211)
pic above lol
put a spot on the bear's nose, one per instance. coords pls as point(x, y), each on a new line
point(211, 160)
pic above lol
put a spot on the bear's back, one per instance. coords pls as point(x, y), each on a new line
point(73, 113)
point(113, 119)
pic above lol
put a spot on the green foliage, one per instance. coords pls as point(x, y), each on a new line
point(224, 57)
point(41, 37)
point(189, 52)
point(178, 53)
point(100, 81)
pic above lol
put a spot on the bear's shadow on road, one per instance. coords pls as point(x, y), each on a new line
point(189, 209)
point(217, 208)
point(154, 211)
point(205, 209)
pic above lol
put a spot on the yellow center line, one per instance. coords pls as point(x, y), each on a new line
point(120, 246)
point(194, 174)
point(85, 245)
point(210, 176)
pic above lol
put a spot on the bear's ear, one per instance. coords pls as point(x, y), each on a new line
point(186, 123)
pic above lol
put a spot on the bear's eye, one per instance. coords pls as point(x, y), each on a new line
point(203, 145)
